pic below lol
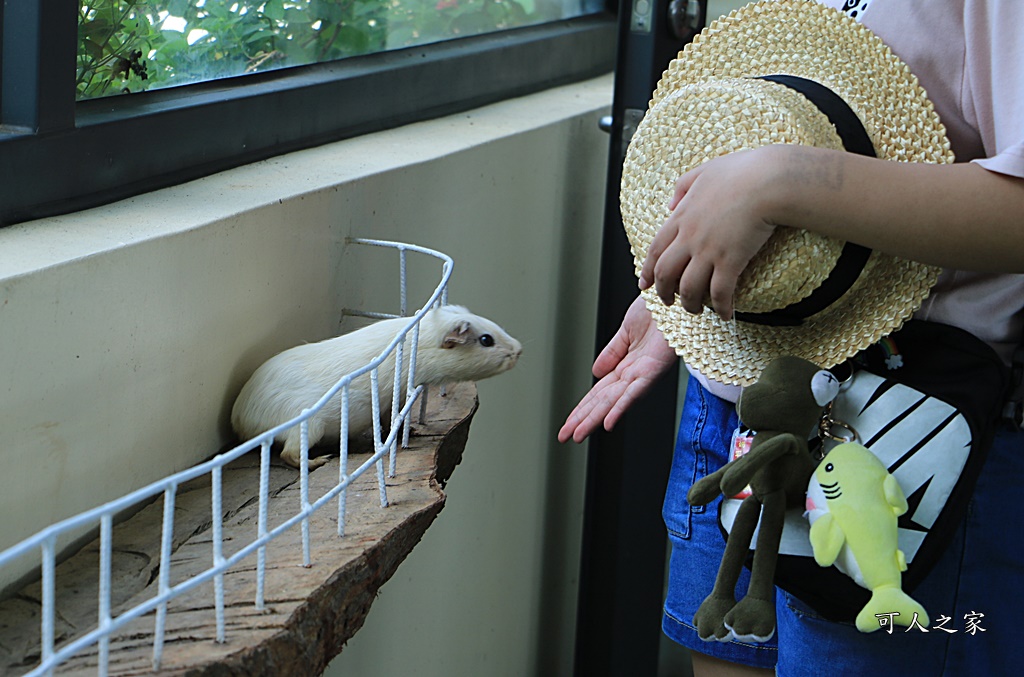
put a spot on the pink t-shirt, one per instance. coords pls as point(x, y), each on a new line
point(969, 57)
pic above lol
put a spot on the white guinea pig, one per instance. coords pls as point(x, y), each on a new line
point(454, 345)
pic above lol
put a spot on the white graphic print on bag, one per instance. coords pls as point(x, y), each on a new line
point(923, 442)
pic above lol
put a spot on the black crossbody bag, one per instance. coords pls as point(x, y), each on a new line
point(931, 421)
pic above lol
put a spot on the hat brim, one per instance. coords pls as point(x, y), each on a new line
point(805, 39)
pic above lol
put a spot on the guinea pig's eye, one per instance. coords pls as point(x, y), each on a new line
point(486, 340)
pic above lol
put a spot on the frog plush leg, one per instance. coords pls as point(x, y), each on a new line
point(710, 617)
point(753, 618)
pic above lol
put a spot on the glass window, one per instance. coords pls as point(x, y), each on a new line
point(88, 113)
point(136, 45)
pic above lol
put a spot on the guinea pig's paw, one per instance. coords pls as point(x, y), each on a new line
point(293, 459)
point(318, 461)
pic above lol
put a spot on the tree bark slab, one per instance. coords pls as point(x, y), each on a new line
point(309, 612)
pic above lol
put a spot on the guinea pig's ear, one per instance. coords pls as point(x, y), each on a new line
point(457, 335)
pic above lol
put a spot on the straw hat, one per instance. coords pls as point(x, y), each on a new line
point(803, 294)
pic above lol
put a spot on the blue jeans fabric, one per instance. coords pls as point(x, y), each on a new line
point(702, 445)
point(982, 572)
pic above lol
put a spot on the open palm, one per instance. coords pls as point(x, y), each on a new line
point(627, 368)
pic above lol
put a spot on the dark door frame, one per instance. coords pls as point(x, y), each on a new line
point(624, 542)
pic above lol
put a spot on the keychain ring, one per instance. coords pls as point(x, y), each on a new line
point(827, 425)
point(831, 424)
point(844, 374)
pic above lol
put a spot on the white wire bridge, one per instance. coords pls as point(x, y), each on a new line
point(44, 544)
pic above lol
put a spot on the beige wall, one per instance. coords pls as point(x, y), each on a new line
point(717, 8)
point(127, 330)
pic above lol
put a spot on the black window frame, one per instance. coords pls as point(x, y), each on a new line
point(58, 155)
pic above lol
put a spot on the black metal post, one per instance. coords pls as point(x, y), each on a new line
point(38, 59)
point(624, 540)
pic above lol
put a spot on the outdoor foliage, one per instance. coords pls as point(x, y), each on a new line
point(134, 45)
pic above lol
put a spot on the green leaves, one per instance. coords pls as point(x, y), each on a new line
point(134, 45)
point(274, 10)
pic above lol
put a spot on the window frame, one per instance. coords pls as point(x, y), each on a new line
point(58, 155)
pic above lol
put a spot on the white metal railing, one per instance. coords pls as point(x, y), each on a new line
point(46, 540)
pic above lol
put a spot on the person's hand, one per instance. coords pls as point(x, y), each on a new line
point(719, 220)
point(628, 366)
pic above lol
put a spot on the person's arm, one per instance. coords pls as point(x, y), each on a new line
point(636, 357)
point(957, 216)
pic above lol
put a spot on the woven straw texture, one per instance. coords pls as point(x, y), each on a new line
point(706, 105)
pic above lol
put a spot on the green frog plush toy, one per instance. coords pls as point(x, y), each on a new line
point(783, 407)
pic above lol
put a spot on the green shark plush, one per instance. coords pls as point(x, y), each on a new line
point(853, 504)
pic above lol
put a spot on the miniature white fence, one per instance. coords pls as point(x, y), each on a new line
point(46, 539)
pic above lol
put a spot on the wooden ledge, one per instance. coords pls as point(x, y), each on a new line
point(310, 612)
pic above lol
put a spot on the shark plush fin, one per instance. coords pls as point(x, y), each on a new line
point(827, 539)
point(894, 495)
point(890, 605)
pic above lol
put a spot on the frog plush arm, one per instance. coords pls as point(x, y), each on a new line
point(731, 478)
point(740, 472)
